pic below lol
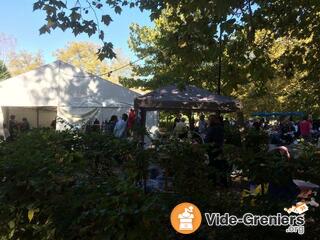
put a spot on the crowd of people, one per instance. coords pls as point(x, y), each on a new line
point(14, 127)
point(211, 132)
point(202, 127)
point(286, 130)
point(119, 127)
point(283, 131)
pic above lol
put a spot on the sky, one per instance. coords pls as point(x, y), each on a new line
point(20, 22)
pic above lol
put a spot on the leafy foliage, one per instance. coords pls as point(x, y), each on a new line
point(66, 185)
point(24, 61)
point(269, 59)
point(179, 155)
point(265, 70)
point(53, 187)
point(84, 55)
point(4, 74)
point(78, 15)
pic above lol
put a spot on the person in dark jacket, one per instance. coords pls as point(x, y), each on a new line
point(215, 132)
point(13, 127)
point(96, 125)
point(215, 138)
point(111, 124)
point(25, 125)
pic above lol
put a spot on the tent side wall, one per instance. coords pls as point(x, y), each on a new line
point(82, 115)
point(78, 116)
point(1, 121)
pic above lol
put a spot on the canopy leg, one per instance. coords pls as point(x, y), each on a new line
point(37, 117)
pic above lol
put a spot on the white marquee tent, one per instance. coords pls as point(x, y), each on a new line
point(62, 90)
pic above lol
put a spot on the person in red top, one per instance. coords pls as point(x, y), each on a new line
point(305, 128)
point(132, 117)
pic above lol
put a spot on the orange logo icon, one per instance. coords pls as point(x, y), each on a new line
point(186, 218)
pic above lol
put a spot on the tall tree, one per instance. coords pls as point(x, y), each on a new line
point(89, 16)
point(258, 73)
point(190, 45)
point(85, 56)
point(294, 18)
point(182, 52)
point(21, 62)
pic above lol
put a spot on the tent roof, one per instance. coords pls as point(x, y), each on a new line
point(61, 84)
point(271, 114)
point(191, 98)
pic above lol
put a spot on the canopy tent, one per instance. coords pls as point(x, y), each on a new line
point(190, 98)
point(72, 94)
point(277, 114)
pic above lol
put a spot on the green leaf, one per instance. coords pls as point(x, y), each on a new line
point(75, 16)
point(30, 214)
point(106, 19)
point(99, 5)
point(37, 5)
point(11, 224)
point(118, 9)
point(44, 29)
point(101, 35)
point(11, 234)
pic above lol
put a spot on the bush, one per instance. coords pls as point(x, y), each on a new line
point(65, 186)
point(186, 164)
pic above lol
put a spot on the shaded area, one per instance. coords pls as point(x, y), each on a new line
point(190, 98)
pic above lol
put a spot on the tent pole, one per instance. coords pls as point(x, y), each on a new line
point(240, 118)
point(7, 115)
point(37, 117)
point(143, 124)
point(219, 62)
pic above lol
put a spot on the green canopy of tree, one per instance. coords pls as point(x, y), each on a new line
point(190, 35)
point(267, 71)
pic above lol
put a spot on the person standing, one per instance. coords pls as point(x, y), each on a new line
point(13, 127)
point(202, 125)
point(111, 124)
point(181, 129)
point(215, 138)
point(131, 119)
point(6, 133)
point(257, 124)
point(25, 125)
point(53, 124)
point(191, 124)
point(120, 129)
point(305, 127)
point(176, 120)
point(287, 131)
point(96, 125)
point(215, 133)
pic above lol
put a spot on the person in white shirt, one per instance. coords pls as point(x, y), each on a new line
point(180, 129)
point(120, 130)
point(6, 133)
